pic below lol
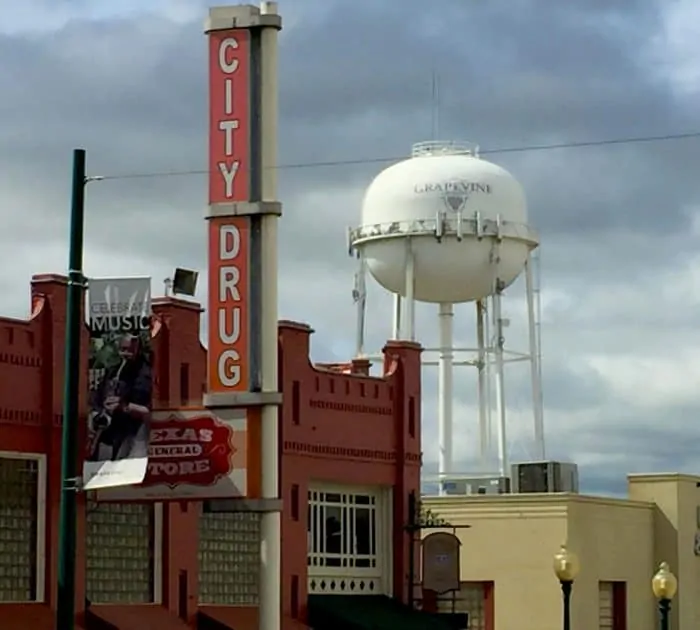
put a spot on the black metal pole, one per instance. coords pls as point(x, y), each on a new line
point(65, 607)
point(566, 586)
point(664, 609)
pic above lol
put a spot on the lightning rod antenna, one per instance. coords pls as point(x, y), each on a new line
point(435, 105)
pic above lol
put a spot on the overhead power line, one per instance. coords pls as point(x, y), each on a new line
point(379, 160)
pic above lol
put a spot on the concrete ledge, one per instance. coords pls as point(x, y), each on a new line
point(243, 208)
point(244, 505)
point(56, 278)
point(243, 16)
point(243, 399)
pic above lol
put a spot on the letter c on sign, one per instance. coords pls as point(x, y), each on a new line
point(226, 66)
point(229, 372)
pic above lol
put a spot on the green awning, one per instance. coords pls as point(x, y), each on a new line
point(373, 612)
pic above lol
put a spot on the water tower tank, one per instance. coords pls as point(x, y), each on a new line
point(452, 207)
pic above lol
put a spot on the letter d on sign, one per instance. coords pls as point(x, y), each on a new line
point(229, 242)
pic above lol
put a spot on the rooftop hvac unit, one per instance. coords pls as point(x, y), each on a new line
point(476, 485)
point(544, 477)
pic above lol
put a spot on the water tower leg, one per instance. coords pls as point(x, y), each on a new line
point(396, 325)
point(482, 384)
point(500, 390)
point(535, 365)
point(488, 370)
point(445, 392)
point(410, 302)
point(361, 302)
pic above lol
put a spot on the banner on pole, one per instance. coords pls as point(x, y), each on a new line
point(193, 454)
point(120, 382)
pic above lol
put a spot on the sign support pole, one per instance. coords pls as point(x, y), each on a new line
point(271, 522)
point(65, 607)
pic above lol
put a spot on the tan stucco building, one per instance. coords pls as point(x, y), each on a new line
point(506, 555)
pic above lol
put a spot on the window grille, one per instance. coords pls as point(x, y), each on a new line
point(605, 606)
point(345, 542)
point(342, 530)
point(19, 514)
point(229, 558)
point(120, 553)
point(470, 599)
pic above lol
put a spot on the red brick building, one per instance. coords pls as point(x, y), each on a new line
point(350, 458)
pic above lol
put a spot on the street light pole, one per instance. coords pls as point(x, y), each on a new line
point(65, 607)
point(566, 586)
point(664, 609)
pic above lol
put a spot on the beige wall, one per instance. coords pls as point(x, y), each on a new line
point(512, 540)
point(675, 524)
point(614, 542)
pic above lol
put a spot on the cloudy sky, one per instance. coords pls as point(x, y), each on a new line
point(619, 223)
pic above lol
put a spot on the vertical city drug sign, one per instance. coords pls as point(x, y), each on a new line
point(229, 235)
point(243, 213)
point(120, 382)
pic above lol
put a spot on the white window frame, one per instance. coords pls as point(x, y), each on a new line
point(606, 604)
point(383, 571)
point(40, 458)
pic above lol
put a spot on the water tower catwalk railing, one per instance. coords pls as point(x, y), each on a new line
point(490, 354)
point(444, 147)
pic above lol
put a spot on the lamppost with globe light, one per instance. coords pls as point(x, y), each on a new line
point(664, 584)
point(566, 568)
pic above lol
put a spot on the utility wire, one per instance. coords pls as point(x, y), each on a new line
point(378, 160)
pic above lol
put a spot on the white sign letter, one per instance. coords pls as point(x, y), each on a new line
point(226, 252)
point(229, 174)
point(228, 68)
point(228, 90)
point(229, 372)
point(228, 284)
point(228, 127)
point(224, 336)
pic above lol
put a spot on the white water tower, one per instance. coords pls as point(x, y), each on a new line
point(446, 227)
